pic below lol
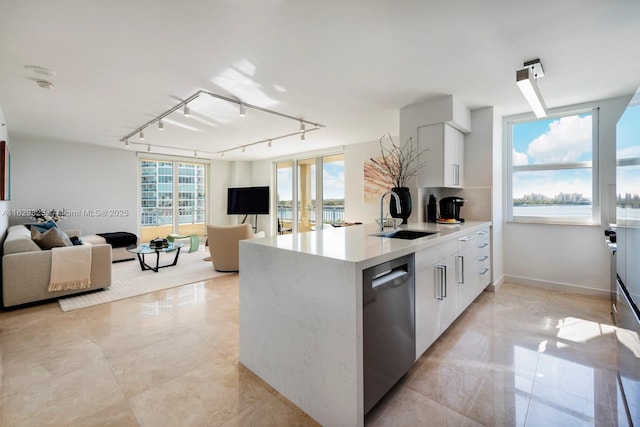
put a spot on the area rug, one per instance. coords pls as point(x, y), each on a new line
point(128, 280)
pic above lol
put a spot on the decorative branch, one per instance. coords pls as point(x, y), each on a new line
point(398, 163)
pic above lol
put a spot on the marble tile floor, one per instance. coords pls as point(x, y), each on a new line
point(522, 356)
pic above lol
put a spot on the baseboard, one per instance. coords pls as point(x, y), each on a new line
point(555, 286)
point(495, 286)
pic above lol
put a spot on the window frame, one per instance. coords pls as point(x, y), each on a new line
point(557, 113)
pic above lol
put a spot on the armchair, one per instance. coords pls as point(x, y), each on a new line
point(224, 245)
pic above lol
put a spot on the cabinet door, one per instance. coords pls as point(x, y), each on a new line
point(436, 299)
point(429, 307)
point(444, 156)
point(453, 158)
point(466, 278)
point(431, 139)
point(450, 311)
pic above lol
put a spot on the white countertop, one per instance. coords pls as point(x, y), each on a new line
point(355, 244)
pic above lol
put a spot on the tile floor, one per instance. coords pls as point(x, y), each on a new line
point(522, 356)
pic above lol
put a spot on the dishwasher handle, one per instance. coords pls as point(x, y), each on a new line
point(394, 277)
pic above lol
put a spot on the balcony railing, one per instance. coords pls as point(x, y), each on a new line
point(330, 214)
point(150, 217)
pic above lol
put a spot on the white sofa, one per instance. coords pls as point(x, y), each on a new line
point(26, 268)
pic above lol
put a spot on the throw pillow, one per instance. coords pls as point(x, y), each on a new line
point(52, 238)
point(75, 240)
point(42, 226)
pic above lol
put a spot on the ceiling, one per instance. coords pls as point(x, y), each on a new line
point(349, 65)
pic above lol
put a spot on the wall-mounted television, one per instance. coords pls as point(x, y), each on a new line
point(248, 201)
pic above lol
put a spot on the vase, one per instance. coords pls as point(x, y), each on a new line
point(405, 203)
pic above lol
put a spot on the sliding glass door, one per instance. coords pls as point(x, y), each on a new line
point(307, 199)
point(172, 198)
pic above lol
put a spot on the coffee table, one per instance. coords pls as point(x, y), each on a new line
point(145, 249)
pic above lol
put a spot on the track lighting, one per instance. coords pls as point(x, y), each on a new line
point(195, 153)
point(184, 105)
point(526, 78)
point(126, 143)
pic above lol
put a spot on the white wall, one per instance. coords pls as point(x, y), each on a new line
point(84, 178)
point(564, 256)
point(219, 181)
point(355, 207)
point(497, 203)
point(225, 174)
point(262, 174)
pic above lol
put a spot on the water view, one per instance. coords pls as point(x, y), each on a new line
point(570, 211)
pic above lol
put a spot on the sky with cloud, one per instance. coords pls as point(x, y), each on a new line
point(333, 181)
point(567, 139)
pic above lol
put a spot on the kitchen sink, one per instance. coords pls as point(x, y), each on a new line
point(404, 234)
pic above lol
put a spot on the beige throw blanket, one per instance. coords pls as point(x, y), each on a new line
point(70, 268)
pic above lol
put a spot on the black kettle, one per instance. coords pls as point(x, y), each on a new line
point(450, 208)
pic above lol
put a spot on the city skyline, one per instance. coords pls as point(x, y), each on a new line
point(558, 199)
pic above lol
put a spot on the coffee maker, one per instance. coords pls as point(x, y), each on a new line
point(450, 209)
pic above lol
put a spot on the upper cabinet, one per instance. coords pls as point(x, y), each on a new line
point(439, 125)
point(444, 157)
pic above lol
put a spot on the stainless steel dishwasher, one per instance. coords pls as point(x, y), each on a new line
point(389, 345)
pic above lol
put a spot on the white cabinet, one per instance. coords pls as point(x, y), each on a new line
point(444, 157)
point(448, 277)
point(436, 293)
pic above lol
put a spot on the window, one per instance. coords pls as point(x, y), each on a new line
point(628, 166)
point(172, 198)
point(553, 169)
point(299, 208)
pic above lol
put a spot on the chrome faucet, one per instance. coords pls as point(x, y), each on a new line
point(395, 196)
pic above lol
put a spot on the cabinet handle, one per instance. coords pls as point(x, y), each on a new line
point(456, 174)
point(440, 269)
point(483, 258)
point(465, 238)
point(444, 268)
point(460, 269)
point(484, 245)
point(484, 271)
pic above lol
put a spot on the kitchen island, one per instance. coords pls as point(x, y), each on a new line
point(301, 311)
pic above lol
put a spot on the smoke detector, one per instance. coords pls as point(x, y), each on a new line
point(44, 84)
